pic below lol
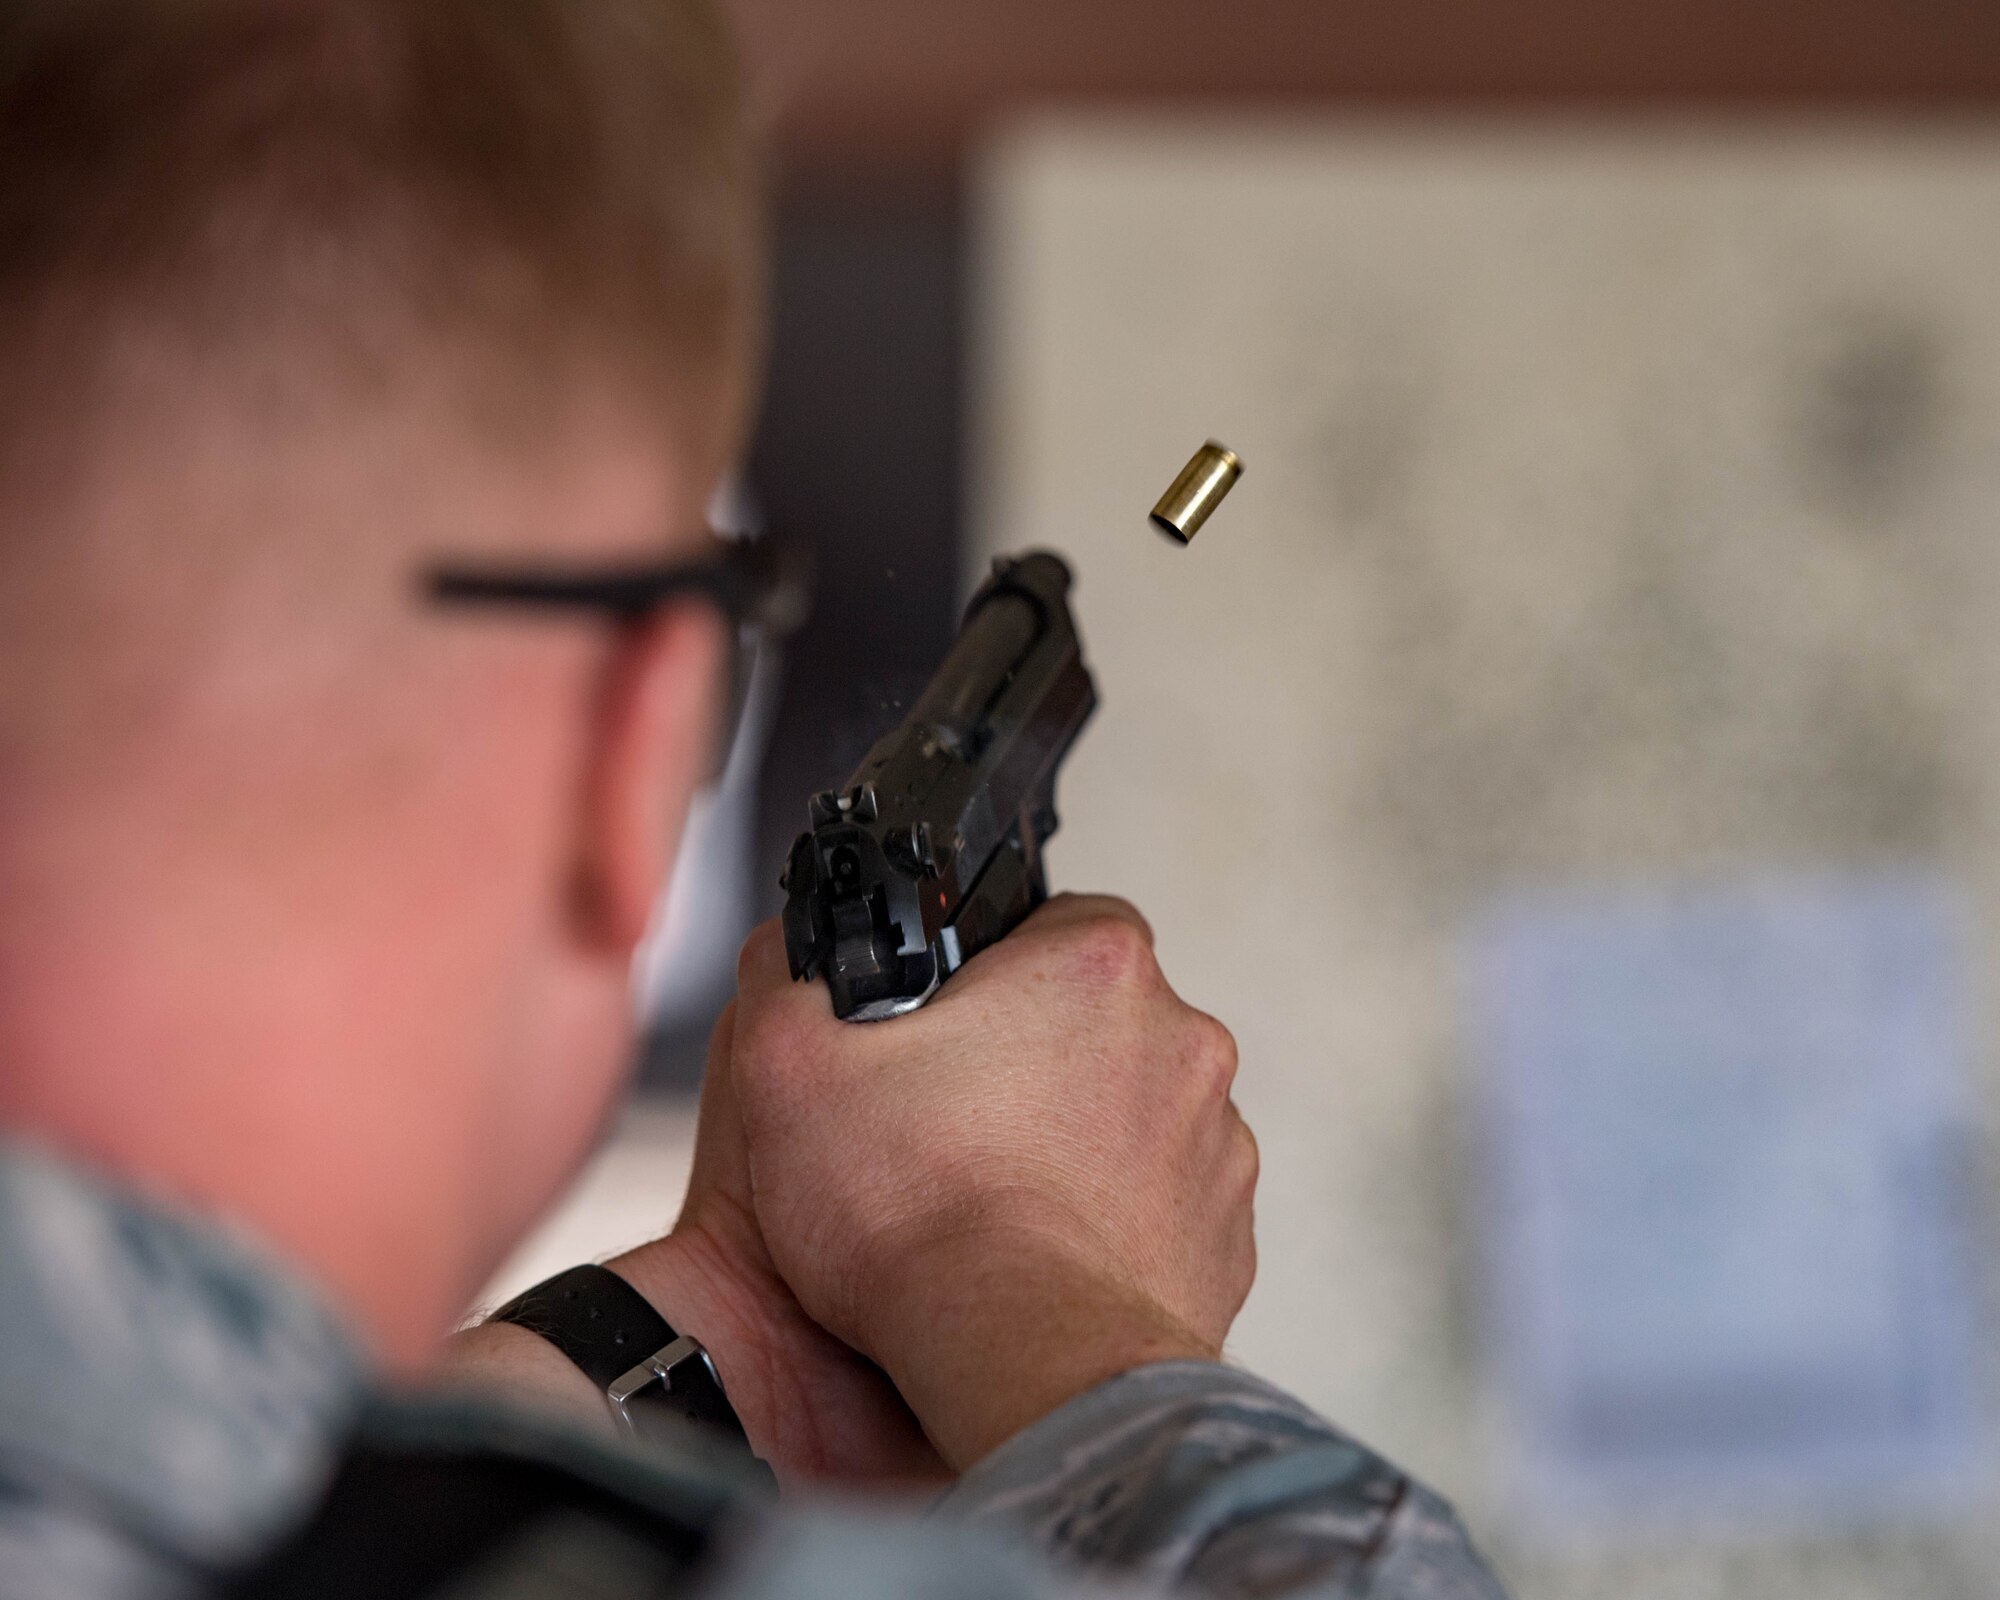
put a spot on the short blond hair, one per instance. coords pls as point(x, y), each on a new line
point(281, 221)
point(531, 176)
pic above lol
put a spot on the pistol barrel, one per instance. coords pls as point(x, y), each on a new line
point(933, 849)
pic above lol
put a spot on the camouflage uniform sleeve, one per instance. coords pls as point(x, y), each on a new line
point(170, 1399)
point(52, 1551)
point(1187, 1475)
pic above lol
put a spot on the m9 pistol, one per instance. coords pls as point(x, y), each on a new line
point(933, 849)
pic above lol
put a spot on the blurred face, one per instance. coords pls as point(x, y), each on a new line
point(318, 901)
point(606, 731)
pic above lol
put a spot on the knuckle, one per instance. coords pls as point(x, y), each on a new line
point(1246, 1268)
point(1108, 952)
point(1119, 907)
point(1249, 1159)
point(1212, 1051)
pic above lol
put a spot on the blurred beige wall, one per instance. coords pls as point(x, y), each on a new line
point(1619, 507)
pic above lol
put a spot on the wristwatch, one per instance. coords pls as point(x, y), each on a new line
point(656, 1381)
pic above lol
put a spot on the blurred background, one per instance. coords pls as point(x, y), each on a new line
point(1569, 761)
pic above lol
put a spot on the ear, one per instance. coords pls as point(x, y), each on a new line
point(655, 732)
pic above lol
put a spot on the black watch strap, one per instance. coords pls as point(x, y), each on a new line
point(625, 1347)
point(594, 1317)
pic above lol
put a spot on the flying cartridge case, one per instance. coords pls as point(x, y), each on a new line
point(1199, 489)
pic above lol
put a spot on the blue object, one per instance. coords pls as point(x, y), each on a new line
point(1731, 1233)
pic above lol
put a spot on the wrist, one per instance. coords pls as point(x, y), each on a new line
point(693, 1282)
point(981, 1353)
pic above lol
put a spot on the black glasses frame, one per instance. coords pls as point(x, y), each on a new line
point(761, 585)
point(758, 583)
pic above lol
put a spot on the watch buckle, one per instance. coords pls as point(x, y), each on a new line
point(659, 1367)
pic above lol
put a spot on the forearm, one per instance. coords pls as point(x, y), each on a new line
point(678, 1278)
point(810, 1406)
point(1191, 1475)
point(522, 1368)
point(999, 1340)
point(747, 1324)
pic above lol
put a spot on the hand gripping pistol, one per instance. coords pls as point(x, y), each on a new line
point(934, 848)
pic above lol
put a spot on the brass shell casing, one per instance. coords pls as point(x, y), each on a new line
point(1197, 491)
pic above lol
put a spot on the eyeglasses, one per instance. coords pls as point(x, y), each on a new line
point(762, 587)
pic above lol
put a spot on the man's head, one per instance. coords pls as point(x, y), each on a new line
point(315, 904)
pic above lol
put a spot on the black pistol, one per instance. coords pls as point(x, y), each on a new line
point(934, 848)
